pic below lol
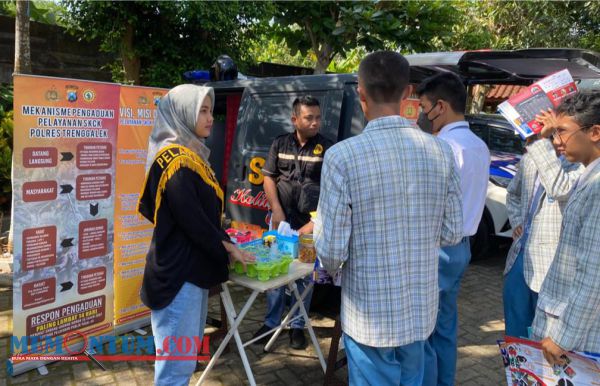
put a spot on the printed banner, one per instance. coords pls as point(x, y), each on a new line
point(132, 232)
point(65, 138)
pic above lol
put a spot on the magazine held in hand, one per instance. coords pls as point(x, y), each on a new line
point(520, 109)
point(525, 365)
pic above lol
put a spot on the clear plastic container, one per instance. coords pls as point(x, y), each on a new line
point(264, 271)
point(285, 264)
point(238, 267)
point(251, 270)
point(275, 269)
point(306, 249)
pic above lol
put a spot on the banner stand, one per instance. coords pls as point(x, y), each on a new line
point(121, 329)
point(90, 355)
point(80, 152)
point(14, 369)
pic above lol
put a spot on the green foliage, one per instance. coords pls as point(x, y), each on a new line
point(47, 12)
point(348, 62)
point(172, 37)
point(335, 28)
point(6, 99)
point(266, 49)
point(169, 37)
point(525, 24)
point(6, 138)
point(7, 8)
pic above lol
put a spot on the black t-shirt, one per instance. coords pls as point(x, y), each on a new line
point(293, 166)
point(187, 240)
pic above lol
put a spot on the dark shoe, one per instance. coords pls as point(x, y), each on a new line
point(264, 328)
point(297, 339)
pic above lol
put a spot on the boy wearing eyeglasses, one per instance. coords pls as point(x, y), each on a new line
point(568, 309)
point(535, 202)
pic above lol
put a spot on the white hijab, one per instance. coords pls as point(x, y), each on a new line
point(176, 121)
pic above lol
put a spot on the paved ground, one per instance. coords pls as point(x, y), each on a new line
point(481, 324)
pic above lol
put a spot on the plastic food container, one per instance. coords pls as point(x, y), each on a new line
point(238, 267)
point(263, 271)
point(276, 269)
point(306, 249)
point(287, 245)
point(285, 264)
point(251, 270)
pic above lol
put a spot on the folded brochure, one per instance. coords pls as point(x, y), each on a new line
point(525, 365)
point(520, 109)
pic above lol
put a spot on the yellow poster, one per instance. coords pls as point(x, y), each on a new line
point(132, 232)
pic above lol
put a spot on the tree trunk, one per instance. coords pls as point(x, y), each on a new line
point(476, 99)
point(22, 48)
point(131, 62)
point(321, 67)
point(324, 58)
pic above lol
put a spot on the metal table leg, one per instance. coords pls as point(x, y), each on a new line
point(234, 321)
point(287, 318)
point(311, 332)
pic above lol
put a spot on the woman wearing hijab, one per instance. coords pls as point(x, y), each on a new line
point(189, 252)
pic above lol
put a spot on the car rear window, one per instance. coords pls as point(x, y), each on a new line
point(505, 141)
point(498, 138)
point(269, 116)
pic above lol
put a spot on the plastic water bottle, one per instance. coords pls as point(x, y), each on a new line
point(274, 253)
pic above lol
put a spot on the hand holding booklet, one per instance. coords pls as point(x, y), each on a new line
point(525, 365)
point(520, 109)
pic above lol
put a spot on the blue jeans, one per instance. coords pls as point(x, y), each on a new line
point(383, 366)
point(276, 302)
point(440, 349)
point(519, 301)
point(185, 316)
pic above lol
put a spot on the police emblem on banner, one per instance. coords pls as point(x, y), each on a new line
point(72, 93)
point(88, 95)
point(142, 100)
point(51, 95)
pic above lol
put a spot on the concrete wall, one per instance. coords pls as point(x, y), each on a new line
point(54, 52)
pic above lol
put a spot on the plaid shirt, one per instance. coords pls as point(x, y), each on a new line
point(557, 177)
point(390, 197)
point(569, 301)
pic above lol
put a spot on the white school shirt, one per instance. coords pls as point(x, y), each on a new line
point(473, 160)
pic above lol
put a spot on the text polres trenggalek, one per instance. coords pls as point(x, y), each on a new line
point(68, 133)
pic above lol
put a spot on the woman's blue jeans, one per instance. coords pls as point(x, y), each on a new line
point(183, 318)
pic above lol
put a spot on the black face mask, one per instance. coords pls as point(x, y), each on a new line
point(424, 122)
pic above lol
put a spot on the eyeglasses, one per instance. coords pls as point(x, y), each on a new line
point(556, 135)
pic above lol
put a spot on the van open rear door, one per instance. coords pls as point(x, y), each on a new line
point(506, 67)
point(265, 113)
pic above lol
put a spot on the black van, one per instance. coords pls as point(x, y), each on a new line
point(265, 108)
point(250, 113)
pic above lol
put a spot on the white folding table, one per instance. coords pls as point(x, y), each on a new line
point(297, 271)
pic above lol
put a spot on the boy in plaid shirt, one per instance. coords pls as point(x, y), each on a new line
point(568, 310)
